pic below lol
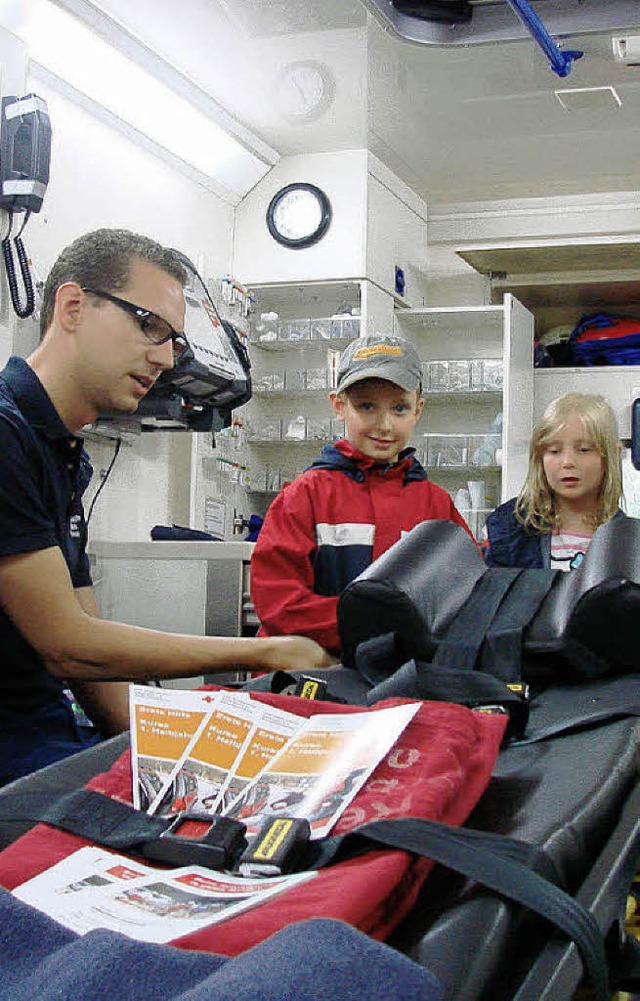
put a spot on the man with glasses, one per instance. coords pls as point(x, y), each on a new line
point(111, 322)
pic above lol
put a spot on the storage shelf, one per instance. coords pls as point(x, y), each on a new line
point(587, 370)
point(455, 334)
point(541, 257)
point(279, 344)
point(466, 395)
point(476, 318)
point(560, 281)
point(291, 441)
point(459, 470)
point(288, 298)
point(291, 394)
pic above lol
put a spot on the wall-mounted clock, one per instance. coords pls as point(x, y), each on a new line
point(305, 89)
point(299, 215)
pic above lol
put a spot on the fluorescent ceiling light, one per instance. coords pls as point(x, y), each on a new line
point(69, 49)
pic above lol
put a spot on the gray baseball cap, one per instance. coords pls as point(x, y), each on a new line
point(380, 356)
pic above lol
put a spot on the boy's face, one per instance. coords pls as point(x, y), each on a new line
point(379, 417)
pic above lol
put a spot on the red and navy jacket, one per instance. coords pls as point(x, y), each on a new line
point(329, 525)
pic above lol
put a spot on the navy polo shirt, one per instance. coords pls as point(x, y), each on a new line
point(44, 471)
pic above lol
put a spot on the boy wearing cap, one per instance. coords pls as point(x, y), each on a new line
point(354, 501)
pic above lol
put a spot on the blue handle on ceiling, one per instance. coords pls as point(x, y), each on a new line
point(560, 61)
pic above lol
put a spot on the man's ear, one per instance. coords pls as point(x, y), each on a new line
point(69, 306)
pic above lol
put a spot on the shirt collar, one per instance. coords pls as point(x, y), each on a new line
point(35, 403)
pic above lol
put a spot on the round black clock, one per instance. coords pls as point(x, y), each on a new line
point(299, 215)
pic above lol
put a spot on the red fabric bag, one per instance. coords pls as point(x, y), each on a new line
point(438, 769)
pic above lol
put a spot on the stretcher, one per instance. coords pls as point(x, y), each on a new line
point(568, 784)
point(576, 795)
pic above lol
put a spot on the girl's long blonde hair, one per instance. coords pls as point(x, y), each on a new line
point(535, 504)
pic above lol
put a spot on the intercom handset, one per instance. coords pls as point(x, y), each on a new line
point(25, 154)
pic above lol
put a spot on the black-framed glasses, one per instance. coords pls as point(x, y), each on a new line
point(154, 327)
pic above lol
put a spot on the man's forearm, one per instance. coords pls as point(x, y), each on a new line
point(103, 651)
point(106, 703)
point(62, 627)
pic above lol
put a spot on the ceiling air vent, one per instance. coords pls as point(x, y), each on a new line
point(589, 98)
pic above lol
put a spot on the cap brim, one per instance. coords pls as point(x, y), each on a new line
point(385, 373)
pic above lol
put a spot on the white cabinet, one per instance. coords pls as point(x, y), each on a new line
point(297, 334)
point(285, 425)
point(559, 282)
point(478, 364)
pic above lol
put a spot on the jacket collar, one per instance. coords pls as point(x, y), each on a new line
point(342, 456)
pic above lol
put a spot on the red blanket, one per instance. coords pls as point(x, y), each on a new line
point(438, 770)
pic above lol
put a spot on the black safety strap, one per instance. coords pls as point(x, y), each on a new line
point(618, 708)
point(89, 815)
point(378, 657)
point(419, 680)
point(502, 864)
point(501, 652)
point(479, 656)
point(515, 870)
point(460, 648)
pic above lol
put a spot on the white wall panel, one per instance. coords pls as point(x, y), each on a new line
point(100, 178)
point(341, 252)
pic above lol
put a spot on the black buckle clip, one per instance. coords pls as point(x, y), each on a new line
point(305, 687)
point(518, 709)
point(310, 688)
point(515, 706)
point(276, 848)
point(217, 848)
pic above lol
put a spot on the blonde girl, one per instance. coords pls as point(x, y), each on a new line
point(573, 485)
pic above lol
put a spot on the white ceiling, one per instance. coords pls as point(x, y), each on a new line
point(465, 123)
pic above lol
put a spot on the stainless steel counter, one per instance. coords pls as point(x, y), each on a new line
point(200, 588)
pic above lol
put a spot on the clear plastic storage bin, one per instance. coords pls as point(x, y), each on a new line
point(482, 449)
point(295, 330)
point(446, 449)
point(268, 431)
point(459, 378)
point(319, 428)
point(438, 377)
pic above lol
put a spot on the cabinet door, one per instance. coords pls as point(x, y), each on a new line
point(517, 395)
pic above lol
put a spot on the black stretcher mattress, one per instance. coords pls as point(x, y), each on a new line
point(576, 795)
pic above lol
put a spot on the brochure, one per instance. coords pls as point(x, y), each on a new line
point(242, 758)
point(265, 740)
point(96, 889)
point(196, 781)
point(316, 774)
point(163, 720)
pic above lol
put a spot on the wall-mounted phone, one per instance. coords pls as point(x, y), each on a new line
point(25, 153)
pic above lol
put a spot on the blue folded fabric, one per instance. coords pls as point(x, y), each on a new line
point(315, 960)
point(178, 533)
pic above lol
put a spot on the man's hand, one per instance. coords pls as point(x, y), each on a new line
point(295, 653)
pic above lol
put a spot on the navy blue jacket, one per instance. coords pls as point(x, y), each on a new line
point(512, 545)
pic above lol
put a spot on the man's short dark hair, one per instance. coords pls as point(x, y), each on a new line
point(102, 260)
